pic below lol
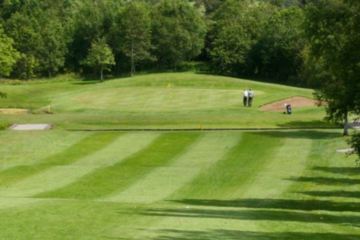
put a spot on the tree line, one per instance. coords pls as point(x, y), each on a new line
point(43, 38)
point(264, 39)
point(254, 38)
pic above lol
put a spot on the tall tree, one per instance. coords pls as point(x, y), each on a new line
point(8, 54)
point(89, 20)
point(40, 36)
point(333, 32)
point(178, 32)
point(278, 52)
point(24, 29)
point(53, 50)
point(135, 33)
point(237, 26)
point(100, 57)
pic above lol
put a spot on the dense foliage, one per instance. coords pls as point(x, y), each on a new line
point(333, 31)
point(275, 40)
point(43, 38)
point(8, 55)
point(178, 32)
point(355, 144)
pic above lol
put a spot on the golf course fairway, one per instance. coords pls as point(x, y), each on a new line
point(118, 165)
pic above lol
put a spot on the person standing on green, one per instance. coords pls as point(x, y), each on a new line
point(246, 98)
point(251, 96)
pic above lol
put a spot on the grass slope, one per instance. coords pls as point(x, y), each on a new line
point(169, 100)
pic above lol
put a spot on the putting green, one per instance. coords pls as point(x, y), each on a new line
point(151, 99)
point(171, 100)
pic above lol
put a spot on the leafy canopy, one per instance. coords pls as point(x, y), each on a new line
point(178, 32)
point(100, 56)
point(8, 54)
point(332, 28)
point(134, 30)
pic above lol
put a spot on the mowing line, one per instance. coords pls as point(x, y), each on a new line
point(83, 148)
point(119, 176)
point(60, 176)
point(28, 148)
point(266, 183)
point(205, 129)
point(288, 161)
point(234, 171)
point(163, 181)
point(6, 203)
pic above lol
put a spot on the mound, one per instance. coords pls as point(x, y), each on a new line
point(296, 102)
point(152, 99)
point(13, 111)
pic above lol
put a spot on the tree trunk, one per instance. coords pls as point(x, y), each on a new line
point(101, 73)
point(346, 124)
point(132, 60)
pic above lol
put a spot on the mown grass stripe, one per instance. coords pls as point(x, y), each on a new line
point(119, 176)
point(6, 203)
point(60, 176)
point(44, 184)
point(28, 148)
point(235, 170)
point(288, 160)
point(83, 148)
point(163, 181)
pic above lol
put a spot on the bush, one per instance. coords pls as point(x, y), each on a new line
point(193, 67)
point(355, 144)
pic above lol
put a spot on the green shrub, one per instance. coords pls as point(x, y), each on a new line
point(355, 144)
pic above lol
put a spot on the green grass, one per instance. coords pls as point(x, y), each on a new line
point(224, 178)
point(169, 100)
point(86, 146)
point(209, 185)
point(248, 185)
point(122, 174)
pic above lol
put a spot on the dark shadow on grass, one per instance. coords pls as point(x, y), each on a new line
point(343, 194)
point(339, 170)
point(288, 204)
point(300, 134)
point(313, 123)
point(256, 215)
point(87, 82)
point(326, 180)
point(173, 234)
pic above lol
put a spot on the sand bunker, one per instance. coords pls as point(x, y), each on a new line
point(13, 111)
point(296, 102)
point(31, 127)
point(346, 150)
